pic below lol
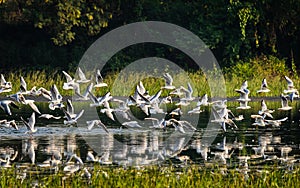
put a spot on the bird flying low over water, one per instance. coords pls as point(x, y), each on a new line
point(30, 124)
point(9, 124)
point(49, 116)
point(284, 103)
point(98, 122)
point(265, 112)
point(56, 98)
point(72, 120)
point(5, 105)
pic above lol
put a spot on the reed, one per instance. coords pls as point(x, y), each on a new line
point(120, 84)
point(154, 176)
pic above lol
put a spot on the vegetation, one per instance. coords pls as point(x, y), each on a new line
point(254, 70)
point(55, 33)
point(154, 177)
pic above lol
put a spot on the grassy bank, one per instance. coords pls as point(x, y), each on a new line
point(194, 176)
point(253, 71)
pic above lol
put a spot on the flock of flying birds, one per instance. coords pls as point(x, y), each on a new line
point(149, 104)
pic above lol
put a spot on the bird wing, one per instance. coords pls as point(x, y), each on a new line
point(155, 97)
point(263, 106)
point(284, 101)
point(33, 106)
point(264, 84)
point(70, 108)
point(168, 78)
point(3, 81)
point(99, 123)
point(26, 123)
point(190, 88)
point(68, 77)
point(79, 115)
point(90, 124)
point(67, 114)
point(55, 95)
point(93, 97)
point(140, 88)
point(244, 85)
point(88, 89)
point(31, 121)
point(23, 86)
point(81, 74)
point(289, 81)
point(99, 78)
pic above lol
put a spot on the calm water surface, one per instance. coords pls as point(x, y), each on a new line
point(248, 148)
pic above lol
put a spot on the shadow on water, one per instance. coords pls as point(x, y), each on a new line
point(246, 148)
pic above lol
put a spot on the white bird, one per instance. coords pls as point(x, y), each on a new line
point(264, 87)
point(132, 124)
point(82, 78)
point(32, 105)
point(219, 104)
point(182, 124)
point(188, 93)
point(72, 120)
point(107, 110)
point(98, 122)
point(293, 95)
point(275, 123)
point(156, 123)
point(30, 124)
point(99, 80)
point(168, 82)
point(290, 87)
point(49, 116)
point(284, 104)
point(4, 85)
point(203, 101)
point(9, 124)
point(244, 86)
point(244, 94)
point(90, 157)
point(70, 109)
point(259, 120)
point(19, 97)
point(243, 105)
point(176, 112)
point(264, 110)
point(196, 110)
point(4, 104)
point(99, 101)
point(68, 77)
point(23, 86)
point(56, 98)
point(85, 95)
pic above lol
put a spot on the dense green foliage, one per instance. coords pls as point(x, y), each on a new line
point(55, 33)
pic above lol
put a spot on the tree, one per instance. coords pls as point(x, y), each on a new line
point(62, 19)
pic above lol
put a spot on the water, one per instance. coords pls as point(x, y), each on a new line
point(248, 148)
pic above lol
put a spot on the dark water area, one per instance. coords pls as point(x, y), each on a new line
point(248, 147)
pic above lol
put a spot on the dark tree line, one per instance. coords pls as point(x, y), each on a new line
point(55, 33)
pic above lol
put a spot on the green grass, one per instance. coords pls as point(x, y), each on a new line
point(154, 176)
point(253, 71)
